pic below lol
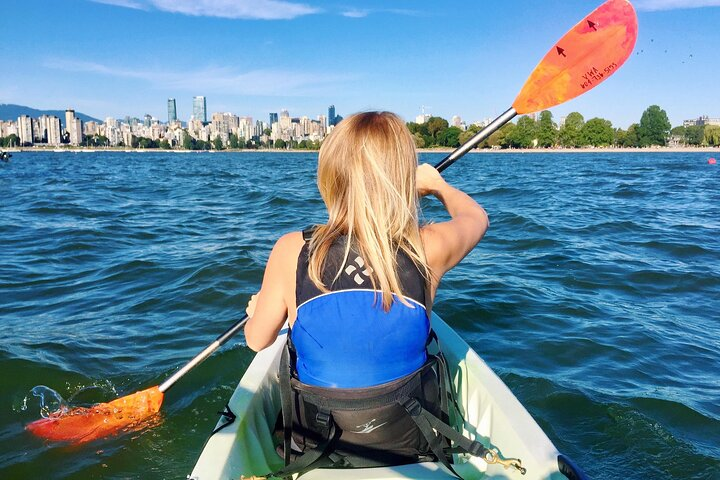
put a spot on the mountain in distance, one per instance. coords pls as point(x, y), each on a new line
point(8, 111)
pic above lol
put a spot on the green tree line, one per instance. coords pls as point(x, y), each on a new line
point(652, 129)
point(10, 141)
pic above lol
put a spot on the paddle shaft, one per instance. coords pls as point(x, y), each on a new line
point(494, 126)
point(219, 342)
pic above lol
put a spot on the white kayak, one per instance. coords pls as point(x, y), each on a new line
point(493, 416)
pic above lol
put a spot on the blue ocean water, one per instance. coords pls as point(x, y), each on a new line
point(595, 296)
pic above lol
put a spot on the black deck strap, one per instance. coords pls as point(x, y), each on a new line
point(415, 410)
point(427, 422)
point(229, 415)
point(442, 360)
point(458, 439)
point(313, 458)
point(445, 377)
point(447, 390)
point(286, 400)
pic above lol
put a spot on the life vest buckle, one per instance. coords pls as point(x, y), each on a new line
point(477, 449)
point(413, 407)
point(323, 419)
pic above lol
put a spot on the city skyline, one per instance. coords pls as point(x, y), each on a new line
point(468, 61)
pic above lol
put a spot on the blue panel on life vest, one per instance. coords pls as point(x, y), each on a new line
point(345, 339)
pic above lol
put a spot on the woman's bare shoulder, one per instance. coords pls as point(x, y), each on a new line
point(288, 246)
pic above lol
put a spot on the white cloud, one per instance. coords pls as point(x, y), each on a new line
point(235, 9)
point(362, 13)
point(355, 13)
point(123, 3)
point(213, 80)
point(655, 5)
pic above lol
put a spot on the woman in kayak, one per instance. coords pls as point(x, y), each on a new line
point(357, 293)
point(370, 181)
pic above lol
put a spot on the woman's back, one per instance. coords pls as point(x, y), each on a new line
point(344, 337)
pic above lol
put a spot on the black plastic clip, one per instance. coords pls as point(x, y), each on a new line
point(323, 419)
point(413, 407)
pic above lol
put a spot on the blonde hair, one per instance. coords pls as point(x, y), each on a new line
point(366, 177)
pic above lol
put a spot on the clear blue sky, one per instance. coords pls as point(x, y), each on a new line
point(126, 57)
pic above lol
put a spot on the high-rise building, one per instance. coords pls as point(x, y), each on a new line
point(331, 115)
point(76, 132)
point(172, 110)
point(273, 118)
point(54, 132)
point(25, 130)
point(69, 119)
point(50, 131)
point(38, 131)
point(43, 125)
point(284, 121)
point(200, 109)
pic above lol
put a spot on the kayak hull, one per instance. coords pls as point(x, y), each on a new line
point(492, 414)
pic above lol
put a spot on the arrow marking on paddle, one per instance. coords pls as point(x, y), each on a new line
point(561, 51)
point(592, 25)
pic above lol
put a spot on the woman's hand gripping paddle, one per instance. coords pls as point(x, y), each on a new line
point(585, 57)
point(81, 425)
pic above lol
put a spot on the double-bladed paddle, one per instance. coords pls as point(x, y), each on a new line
point(585, 57)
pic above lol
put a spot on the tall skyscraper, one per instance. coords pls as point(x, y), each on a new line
point(54, 134)
point(331, 115)
point(25, 129)
point(200, 109)
point(273, 118)
point(69, 119)
point(76, 132)
point(172, 110)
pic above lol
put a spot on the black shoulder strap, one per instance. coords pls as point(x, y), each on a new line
point(308, 233)
point(428, 298)
point(286, 400)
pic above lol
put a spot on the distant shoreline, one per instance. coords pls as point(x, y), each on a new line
point(584, 150)
point(420, 150)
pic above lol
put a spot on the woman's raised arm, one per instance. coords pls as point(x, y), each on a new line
point(447, 243)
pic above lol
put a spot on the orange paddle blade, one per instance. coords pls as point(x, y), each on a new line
point(585, 57)
point(81, 425)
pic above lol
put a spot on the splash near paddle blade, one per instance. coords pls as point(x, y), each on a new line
point(585, 57)
point(81, 425)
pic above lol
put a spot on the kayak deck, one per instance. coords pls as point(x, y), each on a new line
point(492, 414)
